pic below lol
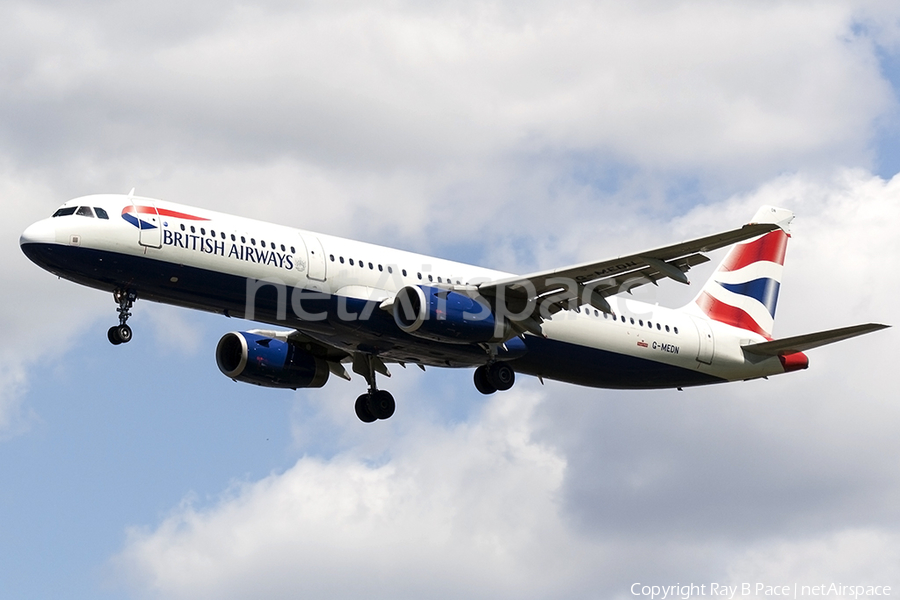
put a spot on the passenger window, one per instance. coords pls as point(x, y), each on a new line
point(658, 328)
point(202, 231)
point(342, 260)
point(675, 329)
point(243, 240)
point(282, 247)
point(371, 268)
point(293, 251)
point(85, 211)
point(262, 243)
point(380, 268)
point(212, 232)
point(667, 329)
point(101, 214)
point(272, 245)
point(440, 280)
point(253, 241)
point(223, 235)
point(193, 230)
point(404, 272)
point(351, 262)
point(632, 320)
point(640, 322)
point(65, 211)
point(420, 275)
point(331, 256)
point(390, 269)
point(182, 226)
point(430, 278)
point(233, 238)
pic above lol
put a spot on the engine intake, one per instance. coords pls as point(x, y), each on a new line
point(268, 362)
point(444, 316)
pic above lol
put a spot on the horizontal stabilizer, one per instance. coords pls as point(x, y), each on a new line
point(800, 343)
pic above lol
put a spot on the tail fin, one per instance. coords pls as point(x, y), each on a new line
point(743, 292)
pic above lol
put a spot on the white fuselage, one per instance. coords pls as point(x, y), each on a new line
point(209, 260)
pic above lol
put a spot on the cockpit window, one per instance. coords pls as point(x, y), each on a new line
point(85, 211)
point(65, 211)
point(101, 214)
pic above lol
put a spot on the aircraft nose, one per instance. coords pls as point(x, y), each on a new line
point(41, 232)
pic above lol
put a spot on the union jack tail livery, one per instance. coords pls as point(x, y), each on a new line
point(743, 292)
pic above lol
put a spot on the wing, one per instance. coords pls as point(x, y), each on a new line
point(590, 283)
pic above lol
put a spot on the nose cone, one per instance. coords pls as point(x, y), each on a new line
point(41, 232)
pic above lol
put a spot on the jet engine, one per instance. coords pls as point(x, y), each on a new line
point(444, 316)
point(269, 362)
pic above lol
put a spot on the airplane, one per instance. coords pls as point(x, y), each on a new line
point(343, 302)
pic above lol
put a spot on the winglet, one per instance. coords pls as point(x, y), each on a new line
point(772, 214)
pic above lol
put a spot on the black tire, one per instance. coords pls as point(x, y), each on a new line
point(123, 332)
point(113, 336)
point(482, 383)
point(381, 404)
point(362, 409)
point(501, 376)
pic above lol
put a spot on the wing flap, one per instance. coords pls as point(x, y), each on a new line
point(801, 343)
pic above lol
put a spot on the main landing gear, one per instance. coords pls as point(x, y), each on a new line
point(375, 404)
point(121, 333)
point(494, 376)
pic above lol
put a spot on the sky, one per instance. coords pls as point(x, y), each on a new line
point(514, 135)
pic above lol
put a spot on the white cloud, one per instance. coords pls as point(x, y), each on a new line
point(41, 315)
point(703, 86)
point(852, 557)
point(461, 511)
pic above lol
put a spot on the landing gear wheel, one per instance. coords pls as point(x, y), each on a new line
point(482, 383)
point(113, 336)
point(362, 409)
point(123, 332)
point(381, 404)
point(501, 376)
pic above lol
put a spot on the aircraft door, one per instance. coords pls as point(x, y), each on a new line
point(315, 257)
point(707, 346)
point(148, 223)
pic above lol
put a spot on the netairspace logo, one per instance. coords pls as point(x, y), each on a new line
point(757, 590)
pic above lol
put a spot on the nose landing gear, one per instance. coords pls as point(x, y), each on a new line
point(121, 333)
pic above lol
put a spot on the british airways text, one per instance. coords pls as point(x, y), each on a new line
point(199, 243)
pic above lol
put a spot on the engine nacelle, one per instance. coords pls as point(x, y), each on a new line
point(269, 362)
point(444, 316)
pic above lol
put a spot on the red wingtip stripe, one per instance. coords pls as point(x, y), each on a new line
point(770, 247)
point(730, 315)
